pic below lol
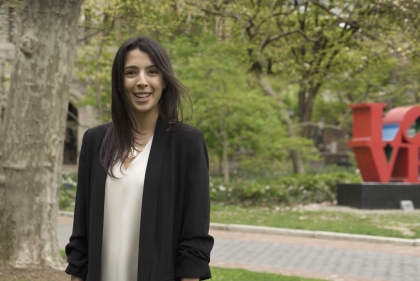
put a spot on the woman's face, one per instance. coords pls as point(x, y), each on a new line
point(143, 83)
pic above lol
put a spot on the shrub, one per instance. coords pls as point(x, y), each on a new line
point(291, 189)
point(262, 191)
point(67, 192)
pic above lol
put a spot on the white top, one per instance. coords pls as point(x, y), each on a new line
point(122, 213)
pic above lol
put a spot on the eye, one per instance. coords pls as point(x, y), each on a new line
point(130, 72)
point(154, 71)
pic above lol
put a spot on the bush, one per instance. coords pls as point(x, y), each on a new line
point(67, 192)
point(291, 189)
point(253, 190)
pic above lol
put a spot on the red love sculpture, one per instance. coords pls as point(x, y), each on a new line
point(386, 149)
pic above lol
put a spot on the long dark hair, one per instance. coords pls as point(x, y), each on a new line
point(120, 134)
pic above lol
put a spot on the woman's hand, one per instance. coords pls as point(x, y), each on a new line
point(75, 278)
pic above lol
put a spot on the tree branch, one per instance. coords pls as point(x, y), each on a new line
point(284, 115)
point(318, 125)
point(212, 12)
point(267, 30)
point(353, 24)
point(359, 100)
point(284, 34)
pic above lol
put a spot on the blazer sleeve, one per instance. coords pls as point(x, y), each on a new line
point(77, 248)
point(195, 244)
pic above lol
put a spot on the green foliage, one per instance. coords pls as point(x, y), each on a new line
point(67, 192)
point(317, 56)
point(333, 52)
point(286, 190)
point(106, 26)
point(329, 111)
point(303, 43)
point(228, 105)
point(256, 189)
point(322, 217)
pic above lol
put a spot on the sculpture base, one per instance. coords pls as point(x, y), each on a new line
point(376, 195)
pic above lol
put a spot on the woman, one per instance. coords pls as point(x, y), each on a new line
point(142, 203)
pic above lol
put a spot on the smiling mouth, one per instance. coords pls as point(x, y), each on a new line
point(142, 95)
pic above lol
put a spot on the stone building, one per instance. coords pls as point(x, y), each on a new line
point(78, 119)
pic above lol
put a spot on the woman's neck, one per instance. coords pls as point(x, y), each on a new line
point(145, 124)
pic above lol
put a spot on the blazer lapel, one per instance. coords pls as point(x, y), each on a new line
point(150, 200)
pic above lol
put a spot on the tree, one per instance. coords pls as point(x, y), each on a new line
point(237, 119)
point(199, 62)
point(33, 132)
point(327, 52)
point(107, 25)
point(403, 38)
point(298, 43)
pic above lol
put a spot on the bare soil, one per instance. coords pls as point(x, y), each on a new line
point(9, 273)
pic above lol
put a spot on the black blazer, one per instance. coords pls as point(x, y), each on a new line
point(174, 240)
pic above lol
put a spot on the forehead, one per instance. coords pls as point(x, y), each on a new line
point(137, 58)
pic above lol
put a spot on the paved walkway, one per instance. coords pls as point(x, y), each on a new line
point(306, 257)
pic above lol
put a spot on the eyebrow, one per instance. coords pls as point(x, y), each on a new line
point(133, 66)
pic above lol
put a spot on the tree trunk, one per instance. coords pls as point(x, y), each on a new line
point(306, 105)
point(225, 158)
point(220, 165)
point(298, 167)
point(33, 133)
point(98, 84)
point(297, 160)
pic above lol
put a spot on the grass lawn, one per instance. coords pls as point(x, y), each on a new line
point(393, 223)
point(223, 274)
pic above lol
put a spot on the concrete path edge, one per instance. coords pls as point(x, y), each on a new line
point(315, 234)
point(305, 233)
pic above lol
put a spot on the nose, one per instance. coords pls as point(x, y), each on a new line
point(141, 80)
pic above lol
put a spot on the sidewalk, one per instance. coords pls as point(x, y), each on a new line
point(335, 260)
